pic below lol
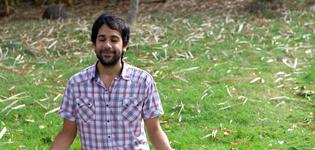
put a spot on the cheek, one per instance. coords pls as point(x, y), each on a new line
point(97, 46)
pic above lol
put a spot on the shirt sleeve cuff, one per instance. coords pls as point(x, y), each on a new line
point(67, 115)
point(153, 115)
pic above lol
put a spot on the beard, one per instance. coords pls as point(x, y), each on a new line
point(116, 55)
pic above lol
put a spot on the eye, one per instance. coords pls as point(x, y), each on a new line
point(101, 39)
point(114, 39)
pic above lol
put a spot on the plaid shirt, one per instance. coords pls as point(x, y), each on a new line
point(111, 118)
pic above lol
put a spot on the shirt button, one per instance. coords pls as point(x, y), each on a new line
point(109, 136)
point(107, 105)
point(107, 121)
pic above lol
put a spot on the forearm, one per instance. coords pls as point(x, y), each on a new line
point(159, 140)
point(63, 141)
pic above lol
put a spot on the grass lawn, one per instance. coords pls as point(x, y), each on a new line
point(226, 81)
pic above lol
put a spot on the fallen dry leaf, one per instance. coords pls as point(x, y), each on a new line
point(312, 127)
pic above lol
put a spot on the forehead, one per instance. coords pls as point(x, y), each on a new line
point(107, 31)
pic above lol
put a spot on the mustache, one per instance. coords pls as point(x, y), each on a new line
point(107, 50)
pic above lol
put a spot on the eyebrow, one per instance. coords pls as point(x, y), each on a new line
point(112, 36)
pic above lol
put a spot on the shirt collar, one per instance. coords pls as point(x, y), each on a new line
point(125, 73)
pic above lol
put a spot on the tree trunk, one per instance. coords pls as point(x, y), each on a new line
point(7, 7)
point(38, 2)
point(68, 2)
point(133, 11)
point(153, 1)
point(113, 2)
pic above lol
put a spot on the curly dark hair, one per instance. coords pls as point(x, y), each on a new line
point(113, 22)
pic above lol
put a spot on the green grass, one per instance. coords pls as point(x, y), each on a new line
point(203, 64)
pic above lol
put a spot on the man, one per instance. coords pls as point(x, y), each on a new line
point(110, 102)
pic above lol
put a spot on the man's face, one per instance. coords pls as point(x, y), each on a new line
point(109, 46)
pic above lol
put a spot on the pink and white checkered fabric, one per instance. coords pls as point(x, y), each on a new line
point(111, 118)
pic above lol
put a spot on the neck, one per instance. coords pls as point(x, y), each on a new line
point(109, 71)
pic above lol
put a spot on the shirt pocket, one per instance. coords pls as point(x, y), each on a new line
point(131, 109)
point(85, 109)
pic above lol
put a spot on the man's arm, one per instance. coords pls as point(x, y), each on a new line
point(157, 136)
point(66, 136)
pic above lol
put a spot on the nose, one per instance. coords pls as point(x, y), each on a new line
point(107, 44)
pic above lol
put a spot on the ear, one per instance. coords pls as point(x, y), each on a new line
point(125, 48)
point(93, 46)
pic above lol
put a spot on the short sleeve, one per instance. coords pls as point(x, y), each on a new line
point(152, 103)
point(67, 108)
